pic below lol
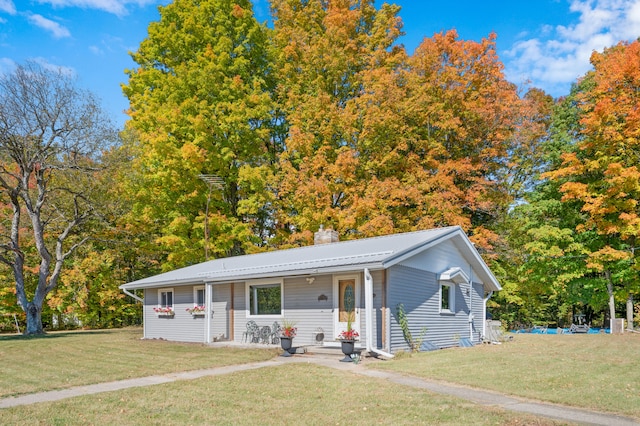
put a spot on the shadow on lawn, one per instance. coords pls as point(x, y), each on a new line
point(52, 335)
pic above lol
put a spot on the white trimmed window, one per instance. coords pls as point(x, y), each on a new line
point(447, 298)
point(198, 296)
point(449, 280)
point(165, 301)
point(264, 298)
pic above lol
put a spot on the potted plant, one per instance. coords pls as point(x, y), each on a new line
point(287, 333)
point(347, 341)
point(164, 311)
point(196, 310)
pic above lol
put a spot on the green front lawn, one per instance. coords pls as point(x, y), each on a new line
point(595, 371)
point(64, 359)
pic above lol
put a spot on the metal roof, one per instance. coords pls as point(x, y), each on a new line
point(373, 253)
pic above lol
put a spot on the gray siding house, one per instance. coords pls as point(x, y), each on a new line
point(436, 275)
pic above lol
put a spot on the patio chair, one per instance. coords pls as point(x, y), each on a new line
point(265, 334)
point(252, 333)
point(275, 333)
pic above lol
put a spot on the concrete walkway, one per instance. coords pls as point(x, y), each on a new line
point(481, 397)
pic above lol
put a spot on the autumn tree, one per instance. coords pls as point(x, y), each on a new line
point(465, 117)
point(323, 50)
point(569, 230)
point(120, 250)
point(200, 103)
point(51, 139)
point(602, 173)
point(381, 142)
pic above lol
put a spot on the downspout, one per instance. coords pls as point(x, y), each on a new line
point(207, 311)
point(368, 306)
point(128, 293)
point(471, 316)
point(484, 312)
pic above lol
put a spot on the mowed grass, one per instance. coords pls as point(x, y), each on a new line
point(64, 359)
point(594, 371)
point(295, 393)
point(600, 372)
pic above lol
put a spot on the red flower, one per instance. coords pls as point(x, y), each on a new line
point(288, 329)
point(350, 334)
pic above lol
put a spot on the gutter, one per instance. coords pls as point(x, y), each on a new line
point(229, 278)
point(128, 293)
point(484, 312)
point(368, 306)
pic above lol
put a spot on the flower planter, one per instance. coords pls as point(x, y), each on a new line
point(348, 347)
point(165, 314)
point(285, 344)
point(198, 314)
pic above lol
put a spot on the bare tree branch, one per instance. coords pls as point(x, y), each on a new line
point(52, 135)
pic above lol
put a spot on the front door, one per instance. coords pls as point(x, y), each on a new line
point(346, 302)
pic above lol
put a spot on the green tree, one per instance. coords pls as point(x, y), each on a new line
point(602, 173)
point(200, 103)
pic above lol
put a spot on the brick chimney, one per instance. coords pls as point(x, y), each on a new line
point(325, 236)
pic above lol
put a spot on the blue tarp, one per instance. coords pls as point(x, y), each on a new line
point(428, 346)
point(465, 343)
point(540, 330)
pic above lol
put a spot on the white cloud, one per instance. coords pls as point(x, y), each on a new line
point(116, 7)
point(55, 28)
point(96, 50)
point(7, 6)
point(52, 67)
point(560, 55)
point(7, 65)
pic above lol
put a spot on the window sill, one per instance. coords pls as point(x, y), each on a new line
point(447, 313)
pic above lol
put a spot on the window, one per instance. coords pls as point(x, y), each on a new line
point(448, 280)
point(198, 296)
point(265, 299)
point(447, 298)
point(165, 298)
point(165, 302)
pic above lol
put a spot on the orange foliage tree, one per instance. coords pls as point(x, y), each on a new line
point(382, 142)
point(602, 173)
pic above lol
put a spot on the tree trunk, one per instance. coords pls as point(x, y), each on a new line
point(612, 302)
point(630, 312)
point(34, 320)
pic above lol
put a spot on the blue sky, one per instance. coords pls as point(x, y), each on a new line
point(544, 42)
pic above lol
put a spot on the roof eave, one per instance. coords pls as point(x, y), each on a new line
point(229, 278)
point(412, 251)
point(488, 278)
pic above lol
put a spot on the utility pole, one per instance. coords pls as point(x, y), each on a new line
point(213, 181)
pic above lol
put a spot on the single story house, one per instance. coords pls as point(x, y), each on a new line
point(436, 277)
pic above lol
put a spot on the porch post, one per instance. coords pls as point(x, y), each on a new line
point(208, 292)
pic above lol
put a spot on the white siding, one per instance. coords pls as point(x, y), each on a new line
point(220, 318)
point(310, 306)
point(182, 327)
